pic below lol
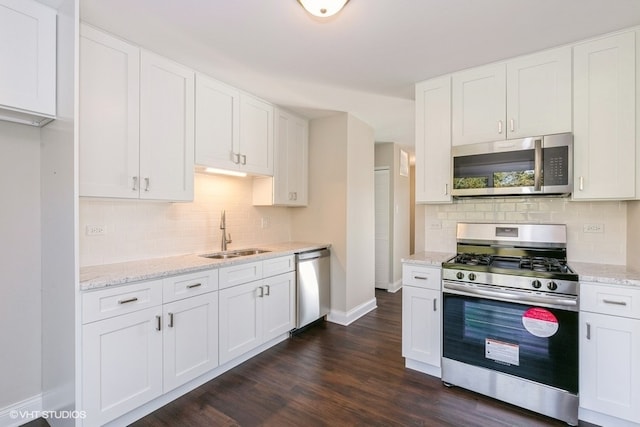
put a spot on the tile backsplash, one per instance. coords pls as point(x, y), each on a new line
point(596, 231)
point(140, 229)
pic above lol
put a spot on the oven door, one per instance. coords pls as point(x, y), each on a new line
point(527, 340)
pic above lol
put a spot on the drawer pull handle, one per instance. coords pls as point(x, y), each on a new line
point(171, 320)
point(435, 304)
point(158, 323)
point(127, 301)
point(608, 301)
point(420, 277)
point(588, 331)
point(195, 285)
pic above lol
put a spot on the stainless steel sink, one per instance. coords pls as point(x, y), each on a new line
point(234, 254)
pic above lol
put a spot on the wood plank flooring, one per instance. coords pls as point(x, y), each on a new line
point(332, 375)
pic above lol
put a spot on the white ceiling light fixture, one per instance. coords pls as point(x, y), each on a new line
point(323, 8)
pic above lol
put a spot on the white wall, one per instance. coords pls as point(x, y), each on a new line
point(607, 247)
point(341, 207)
point(20, 300)
point(147, 229)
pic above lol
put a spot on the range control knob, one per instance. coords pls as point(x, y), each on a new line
point(536, 284)
point(460, 275)
point(472, 276)
point(552, 286)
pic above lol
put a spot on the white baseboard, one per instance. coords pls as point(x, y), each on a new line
point(395, 287)
point(347, 318)
point(22, 412)
point(434, 371)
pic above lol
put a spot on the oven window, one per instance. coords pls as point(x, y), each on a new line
point(507, 337)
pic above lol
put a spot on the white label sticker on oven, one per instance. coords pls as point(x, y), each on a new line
point(540, 322)
point(502, 352)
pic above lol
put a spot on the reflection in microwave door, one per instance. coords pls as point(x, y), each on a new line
point(514, 179)
point(471, 182)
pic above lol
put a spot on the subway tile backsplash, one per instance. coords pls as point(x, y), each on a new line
point(605, 246)
point(140, 229)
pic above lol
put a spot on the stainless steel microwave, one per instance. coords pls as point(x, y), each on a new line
point(534, 165)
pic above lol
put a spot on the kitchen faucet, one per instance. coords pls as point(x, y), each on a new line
point(223, 227)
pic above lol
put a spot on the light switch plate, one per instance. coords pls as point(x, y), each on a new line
point(96, 230)
point(593, 228)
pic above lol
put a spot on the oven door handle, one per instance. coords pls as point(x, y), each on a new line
point(510, 295)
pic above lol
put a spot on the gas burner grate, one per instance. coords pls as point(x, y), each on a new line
point(543, 264)
point(473, 259)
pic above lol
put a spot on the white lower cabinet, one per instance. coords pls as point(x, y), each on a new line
point(254, 313)
point(609, 355)
point(421, 318)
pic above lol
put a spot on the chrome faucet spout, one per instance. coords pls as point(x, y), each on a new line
point(223, 227)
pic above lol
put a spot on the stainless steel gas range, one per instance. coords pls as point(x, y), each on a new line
point(510, 317)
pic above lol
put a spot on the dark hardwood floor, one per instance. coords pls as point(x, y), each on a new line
point(331, 375)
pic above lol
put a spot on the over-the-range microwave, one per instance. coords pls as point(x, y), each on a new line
point(534, 165)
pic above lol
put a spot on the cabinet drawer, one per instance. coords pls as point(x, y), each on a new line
point(613, 300)
point(238, 274)
point(421, 276)
point(275, 266)
point(102, 304)
point(188, 285)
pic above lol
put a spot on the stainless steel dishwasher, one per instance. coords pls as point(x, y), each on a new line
point(313, 285)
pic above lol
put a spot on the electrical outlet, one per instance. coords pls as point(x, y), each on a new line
point(593, 228)
point(265, 222)
point(435, 225)
point(96, 230)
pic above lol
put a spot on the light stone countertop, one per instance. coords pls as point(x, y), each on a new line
point(433, 259)
point(100, 276)
point(606, 273)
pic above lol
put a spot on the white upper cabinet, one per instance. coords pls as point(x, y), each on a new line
point(289, 184)
point(28, 58)
point(605, 118)
point(433, 141)
point(217, 123)
point(478, 102)
point(527, 96)
point(256, 136)
point(539, 94)
point(166, 129)
point(109, 116)
point(136, 122)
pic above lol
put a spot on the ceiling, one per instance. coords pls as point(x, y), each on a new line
point(366, 59)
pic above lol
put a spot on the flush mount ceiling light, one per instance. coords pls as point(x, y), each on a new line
point(323, 8)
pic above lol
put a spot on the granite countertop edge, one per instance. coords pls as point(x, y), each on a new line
point(433, 259)
point(105, 275)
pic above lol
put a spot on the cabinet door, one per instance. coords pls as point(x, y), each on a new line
point(609, 370)
point(166, 129)
point(539, 94)
point(121, 364)
point(256, 135)
point(421, 325)
point(190, 339)
point(217, 124)
point(240, 314)
point(479, 105)
point(28, 72)
point(109, 122)
point(433, 141)
point(290, 160)
point(279, 313)
point(604, 110)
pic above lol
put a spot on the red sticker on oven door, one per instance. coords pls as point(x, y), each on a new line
point(540, 322)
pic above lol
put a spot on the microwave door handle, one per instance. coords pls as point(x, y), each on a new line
point(537, 168)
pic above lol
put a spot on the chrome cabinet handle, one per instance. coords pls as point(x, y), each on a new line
point(235, 158)
point(435, 304)
point(261, 294)
point(588, 331)
point(171, 320)
point(158, 323)
point(537, 165)
point(244, 159)
point(135, 183)
point(147, 182)
point(512, 125)
point(127, 301)
point(195, 285)
point(500, 126)
point(581, 185)
point(268, 290)
point(608, 301)
point(420, 277)
point(446, 189)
